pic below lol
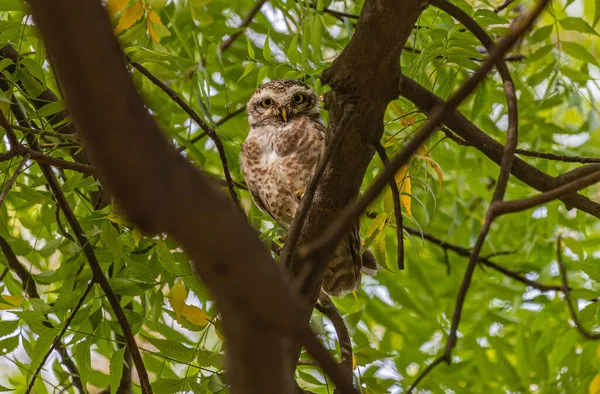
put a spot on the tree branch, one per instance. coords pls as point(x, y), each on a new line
point(58, 339)
point(161, 191)
point(327, 307)
point(245, 22)
point(427, 101)
point(210, 132)
point(97, 273)
point(567, 290)
point(397, 207)
point(13, 179)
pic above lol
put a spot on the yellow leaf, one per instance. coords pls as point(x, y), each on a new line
point(152, 32)
point(113, 217)
point(11, 302)
point(177, 298)
point(403, 182)
point(434, 165)
point(195, 315)
point(137, 235)
point(221, 337)
point(422, 151)
point(353, 362)
point(355, 296)
point(130, 16)
point(115, 6)
point(154, 18)
point(595, 385)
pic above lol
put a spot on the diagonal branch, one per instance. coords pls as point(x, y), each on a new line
point(327, 307)
point(13, 179)
point(245, 22)
point(194, 115)
point(97, 273)
point(474, 136)
point(397, 207)
point(58, 339)
point(567, 290)
point(161, 191)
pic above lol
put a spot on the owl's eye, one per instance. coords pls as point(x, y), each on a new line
point(298, 98)
point(266, 103)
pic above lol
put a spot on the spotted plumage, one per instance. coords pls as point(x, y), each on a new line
point(286, 138)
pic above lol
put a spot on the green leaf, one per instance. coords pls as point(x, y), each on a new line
point(578, 51)
point(169, 386)
point(31, 195)
point(541, 34)
point(577, 24)
point(481, 101)
point(9, 344)
point(8, 327)
point(172, 349)
point(207, 358)
point(596, 12)
point(12, 5)
point(267, 49)
point(292, 53)
point(111, 239)
point(166, 259)
point(5, 389)
point(247, 70)
point(116, 369)
point(251, 53)
point(51, 108)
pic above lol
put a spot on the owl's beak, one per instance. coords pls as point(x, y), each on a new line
point(284, 114)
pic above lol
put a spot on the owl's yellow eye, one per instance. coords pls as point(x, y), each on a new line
point(298, 98)
point(266, 103)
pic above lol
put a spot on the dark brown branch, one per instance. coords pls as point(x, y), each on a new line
point(501, 208)
point(161, 191)
point(327, 307)
point(13, 179)
point(425, 372)
point(219, 122)
point(475, 137)
point(552, 156)
point(502, 6)
point(194, 115)
point(29, 285)
point(338, 229)
point(54, 161)
point(58, 339)
point(245, 22)
point(483, 260)
point(505, 168)
point(509, 89)
point(567, 291)
point(97, 272)
point(397, 207)
point(340, 14)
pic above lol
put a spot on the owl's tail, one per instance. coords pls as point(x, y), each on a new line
point(369, 264)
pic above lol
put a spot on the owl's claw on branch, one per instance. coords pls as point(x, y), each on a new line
point(299, 194)
point(283, 237)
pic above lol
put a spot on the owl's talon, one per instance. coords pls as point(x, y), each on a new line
point(282, 238)
point(299, 194)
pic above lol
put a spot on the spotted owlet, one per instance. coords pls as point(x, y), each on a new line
point(279, 155)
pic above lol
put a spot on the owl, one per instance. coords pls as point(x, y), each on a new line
point(287, 136)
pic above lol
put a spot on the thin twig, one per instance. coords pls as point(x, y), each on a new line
point(509, 87)
point(57, 340)
point(211, 133)
point(567, 290)
point(97, 273)
point(29, 285)
point(327, 307)
point(502, 6)
point(3, 274)
point(227, 117)
point(425, 372)
point(501, 208)
point(245, 22)
point(552, 156)
point(340, 14)
point(459, 250)
point(397, 207)
point(13, 179)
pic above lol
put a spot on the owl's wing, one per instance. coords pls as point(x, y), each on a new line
point(256, 198)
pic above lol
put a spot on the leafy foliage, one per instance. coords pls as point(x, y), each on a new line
point(512, 337)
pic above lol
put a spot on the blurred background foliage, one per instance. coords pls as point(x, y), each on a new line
point(513, 338)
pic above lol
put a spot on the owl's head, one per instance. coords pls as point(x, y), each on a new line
point(280, 101)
